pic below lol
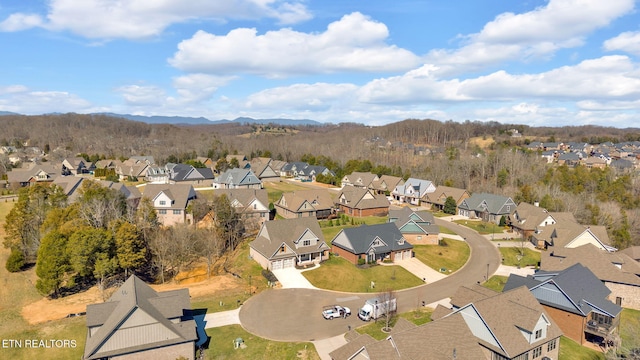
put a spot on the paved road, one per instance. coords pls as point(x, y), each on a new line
point(295, 314)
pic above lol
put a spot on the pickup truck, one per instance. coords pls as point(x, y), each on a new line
point(335, 311)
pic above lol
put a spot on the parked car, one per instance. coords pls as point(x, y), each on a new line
point(335, 311)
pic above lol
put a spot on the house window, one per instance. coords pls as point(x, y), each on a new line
point(551, 345)
point(538, 334)
point(163, 202)
point(306, 243)
point(162, 212)
point(177, 212)
point(537, 352)
point(255, 206)
point(282, 248)
point(618, 301)
point(509, 208)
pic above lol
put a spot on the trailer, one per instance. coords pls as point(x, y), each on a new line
point(377, 307)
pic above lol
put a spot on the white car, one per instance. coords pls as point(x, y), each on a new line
point(335, 311)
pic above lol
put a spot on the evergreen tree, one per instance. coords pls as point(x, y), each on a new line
point(450, 206)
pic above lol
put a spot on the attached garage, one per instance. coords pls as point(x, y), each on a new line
point(276, 265)
point(288, 263)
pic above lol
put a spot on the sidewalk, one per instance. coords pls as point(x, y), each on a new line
point(419, 269)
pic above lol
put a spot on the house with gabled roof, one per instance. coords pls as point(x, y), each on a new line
point(305, 203)
point(439, 196)
point(243, 163)
point(263, 170)
point(371, 243)
point(355, 201)
point(617, 270)
point(311, 172)
point(577, 300)
point(359, 179)
point(509, 325)
point(288, 243)
point(567, 232)
point(251, 204)
point(413, 191)
point(528, 219)
point(386, 184)
point(139, 323)
point(237, 179)
point(188, 174)
point(487, 207)
point(291, 169)
point(418, 227)
point(77, 166)
point(34, 173)
point(170, 202)
point(131, 168)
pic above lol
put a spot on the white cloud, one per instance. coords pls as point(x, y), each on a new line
point(21, 100)
point(627, 41)
point(198, 87)
point(535, 34)
point(137, 95)
point(313, 97)
point(12, 89)
point(134, 19)
point(20, 21)
point(354, 43)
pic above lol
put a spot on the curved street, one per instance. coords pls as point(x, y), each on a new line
point(295, 314)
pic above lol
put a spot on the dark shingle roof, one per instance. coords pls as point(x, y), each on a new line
point(359, 240)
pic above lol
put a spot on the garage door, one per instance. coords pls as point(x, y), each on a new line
point(288, 263)
point(276, 265)
point(407, 254)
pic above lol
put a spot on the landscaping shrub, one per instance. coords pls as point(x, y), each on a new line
point(15, 261)
point(361, 261)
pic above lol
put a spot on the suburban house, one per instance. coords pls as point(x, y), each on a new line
point(386, 184)
point(576, 300)
point(206, 161)
point(251, 204)
point(438, 198)
point(529, 219)
point(567, 232)
point(291, 169)
point(371, 243)
point(170, 202)
point(417, 227)
point(311, 172)
point(263, 170)
point(131, 168)
point(617, 270)
point(413, 191)
point(157, 175)
point(305, 203)
point(360, 179)
point(633, 252)
point(492, 326)
point(34, 173)
point(288, 243)
point(242, 161)
point(77, 166)
point(139, 323)
point(355, 201)
point(487, 207)
point(187, 174)
point(237, 179)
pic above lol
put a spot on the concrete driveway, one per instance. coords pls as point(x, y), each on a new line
point(419, 269)
point(292, 278)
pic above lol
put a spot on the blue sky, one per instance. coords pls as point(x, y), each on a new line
point(534, 62)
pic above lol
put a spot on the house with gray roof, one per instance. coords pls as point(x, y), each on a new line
point(417, 227)
point(187, 174)
point(33, 174)
point(288, 243)
point(509, 325)
point(139, 323)
point(170, 202)
point(357, 201)
point(413, 191)
point(263, 169)
point(487, 207)
point(618, 271)
point(577, 300)
point(310, 172)
point(237, 179)
point(371, 243)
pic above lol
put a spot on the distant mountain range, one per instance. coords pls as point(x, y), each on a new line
point(201, 120)
point(185, 120)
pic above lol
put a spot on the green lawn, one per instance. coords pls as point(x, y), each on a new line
point(571, 350)
point(340, 275)
point(374, 328)
point(450, 254)
point(481, 227)
point(222, 346)
point(630, 328)
point(511, 254)
point(276, 188)
point(496, 283)
point(444, 230)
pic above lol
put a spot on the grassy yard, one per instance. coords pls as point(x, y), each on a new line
point(275, 189)
point(450, 254)
point(481, 227)
point(374, 328)
point(571, 350)
point(496, 283)
point(444, 230)
point(340, 275)
point(511, 254)
point(256, 348)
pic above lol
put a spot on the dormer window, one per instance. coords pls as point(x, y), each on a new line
point(538, 334)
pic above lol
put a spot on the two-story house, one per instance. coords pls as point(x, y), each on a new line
point(170, 202)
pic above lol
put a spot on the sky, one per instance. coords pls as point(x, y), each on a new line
point(531, 62)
